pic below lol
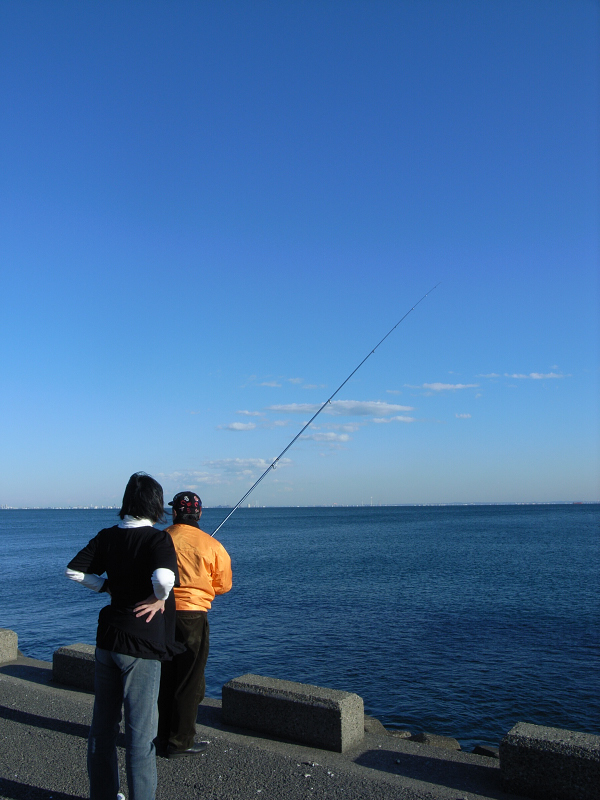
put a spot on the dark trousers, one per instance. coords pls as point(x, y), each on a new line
point(182, 683)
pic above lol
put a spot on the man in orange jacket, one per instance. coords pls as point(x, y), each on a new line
point(204, 571)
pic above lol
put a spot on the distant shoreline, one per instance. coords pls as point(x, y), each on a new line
point(329, 505)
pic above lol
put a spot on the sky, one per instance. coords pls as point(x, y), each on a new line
point(213, 211)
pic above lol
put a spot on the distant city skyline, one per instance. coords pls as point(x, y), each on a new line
point(332, 505)
point(213, 211)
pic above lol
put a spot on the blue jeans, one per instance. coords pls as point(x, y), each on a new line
point(133, 682)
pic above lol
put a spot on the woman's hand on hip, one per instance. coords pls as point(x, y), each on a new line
point(150, 606)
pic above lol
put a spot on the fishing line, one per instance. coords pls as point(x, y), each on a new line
point(312, 419)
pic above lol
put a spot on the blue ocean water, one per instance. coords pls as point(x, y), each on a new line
point(457, 620)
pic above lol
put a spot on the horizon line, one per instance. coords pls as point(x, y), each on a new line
point(325, 505)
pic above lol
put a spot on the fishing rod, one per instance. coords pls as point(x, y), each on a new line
point(312, 419)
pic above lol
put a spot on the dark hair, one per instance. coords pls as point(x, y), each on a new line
point(143, 498)
point(183, 518)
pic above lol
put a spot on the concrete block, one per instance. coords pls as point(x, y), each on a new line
point(75, 666)
point(550, 763)
point(8, 645)
point(373, 725)
point(447, 742)
point(326, 718)
point(486, 750)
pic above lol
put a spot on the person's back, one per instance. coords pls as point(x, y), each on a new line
point(130, 557)
point(135, 632)
point(204, 571)
point(204, 567)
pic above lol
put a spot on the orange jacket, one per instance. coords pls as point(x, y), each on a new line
point(204, 568)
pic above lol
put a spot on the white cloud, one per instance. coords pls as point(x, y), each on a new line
point(250, 413)
point(444, 387)
point(268, 425)
point(536, 376)
point(238, 426)
point(327, 437)
point(462, 416)
point(189, 479)
point(244, 467)
point(276, 383)
point(350, 427)
point(364, 408)
point(394, 419)
point(349, 408)
point(238, 464)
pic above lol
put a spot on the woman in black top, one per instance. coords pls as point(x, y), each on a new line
point(135, 633)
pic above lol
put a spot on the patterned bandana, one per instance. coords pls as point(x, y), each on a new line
point(186, 503)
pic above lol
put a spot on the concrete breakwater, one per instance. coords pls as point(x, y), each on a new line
point(534, 761)
point(252, 701)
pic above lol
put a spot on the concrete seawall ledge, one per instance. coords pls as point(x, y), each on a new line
point(327, 718)
point(551, 763)
point(9, 645)
point(75, 665)
point(43, 725)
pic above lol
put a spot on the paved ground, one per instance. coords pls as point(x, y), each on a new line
point(43, 730)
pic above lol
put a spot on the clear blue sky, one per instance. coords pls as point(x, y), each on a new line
point(212, 211)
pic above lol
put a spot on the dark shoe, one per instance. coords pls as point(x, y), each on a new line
point(197, 747)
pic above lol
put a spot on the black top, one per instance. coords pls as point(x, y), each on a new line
point(129, 556)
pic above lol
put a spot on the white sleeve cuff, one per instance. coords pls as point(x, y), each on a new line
point(163, 580)
point(93, 582)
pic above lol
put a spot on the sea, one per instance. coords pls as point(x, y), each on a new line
point(454, 620)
